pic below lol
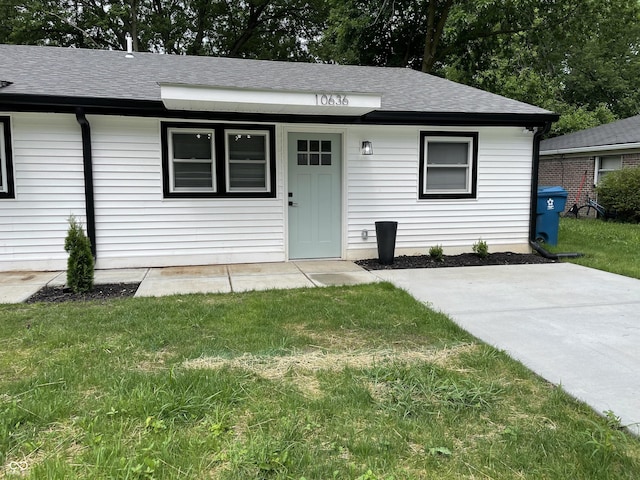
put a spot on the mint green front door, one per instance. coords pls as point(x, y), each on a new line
point(314, 195)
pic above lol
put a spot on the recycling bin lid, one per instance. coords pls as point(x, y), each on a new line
point(552, 191)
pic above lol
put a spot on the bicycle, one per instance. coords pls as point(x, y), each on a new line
point(591, 209)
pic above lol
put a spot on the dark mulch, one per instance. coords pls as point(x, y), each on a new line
point(123, 290)
point(462, 260)
point(99, 292)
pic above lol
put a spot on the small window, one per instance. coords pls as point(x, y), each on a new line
point(314, 152)
point(448, 165)
point(247, 161)
point(192, 160)
point(6, 164)
point(606, 164)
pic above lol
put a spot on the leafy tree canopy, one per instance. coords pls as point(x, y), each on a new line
point(579, 58)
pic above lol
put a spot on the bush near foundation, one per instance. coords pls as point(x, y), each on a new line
point(80, 265)
point(619, 192)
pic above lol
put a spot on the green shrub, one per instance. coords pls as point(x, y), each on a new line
point(481, 248)
point(436, 253)
point(619, 192)
point(80, 263)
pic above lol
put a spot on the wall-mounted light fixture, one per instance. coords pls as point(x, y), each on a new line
point(367, 148)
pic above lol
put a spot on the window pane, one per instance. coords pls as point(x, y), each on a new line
point(192, 145)
point(302, 159)
point(192, 175)
point(446, 178)
point(247, 175)
point(314, 145)
point(314, 159)
point(247, 147)
point(302, 146)
point(326, 146)
point(326, 159)
point(446, 153)
point(610, 163)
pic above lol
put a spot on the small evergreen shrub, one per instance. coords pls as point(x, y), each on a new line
point(481, 248)
point(619, 192)
point(80, 263)
point(436, 253)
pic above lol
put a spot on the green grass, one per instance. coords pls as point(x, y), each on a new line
point(348, 383)
point(613, 247)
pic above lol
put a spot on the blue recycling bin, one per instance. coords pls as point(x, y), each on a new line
point(551, 203)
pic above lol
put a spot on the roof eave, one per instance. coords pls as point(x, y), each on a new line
point(591, 148)
point(136, 107)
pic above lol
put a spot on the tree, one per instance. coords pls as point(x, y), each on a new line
point(274, 29)
point(80, 264)
point(574, 57)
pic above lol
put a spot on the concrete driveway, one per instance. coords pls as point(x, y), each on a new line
point(574, 326)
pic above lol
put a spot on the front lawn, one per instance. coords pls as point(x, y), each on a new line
point(346, 383)
point(613, 247)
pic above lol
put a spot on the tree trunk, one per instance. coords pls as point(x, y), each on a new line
point(434, 33)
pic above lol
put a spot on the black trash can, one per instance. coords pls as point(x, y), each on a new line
point(386, 238)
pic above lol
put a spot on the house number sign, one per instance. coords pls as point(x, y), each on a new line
point(331, 99)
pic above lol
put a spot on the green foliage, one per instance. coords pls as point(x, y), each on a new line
point(481, 248)
point(436, 253)
point(273, 29)
point(366, 382)
point(80, 263)
point(610, 246)
point(619, 192)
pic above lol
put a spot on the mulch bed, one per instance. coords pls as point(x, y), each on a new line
point(462, 260)
point(100, 292)
point(123, 290)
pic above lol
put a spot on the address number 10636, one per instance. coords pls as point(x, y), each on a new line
point(331, 99)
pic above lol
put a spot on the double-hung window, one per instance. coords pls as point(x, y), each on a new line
point(6, 164)
point(448, 164)
point(606, 164)
point(215, 160)
point(247, 161)
point(192, 160)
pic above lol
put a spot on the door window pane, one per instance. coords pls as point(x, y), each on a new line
point(314, 152)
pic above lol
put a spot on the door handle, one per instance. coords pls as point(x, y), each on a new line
point(293, 204)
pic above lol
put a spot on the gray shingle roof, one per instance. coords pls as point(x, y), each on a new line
point(616, 133)
point(68, 72)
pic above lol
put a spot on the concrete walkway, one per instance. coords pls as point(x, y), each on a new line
point(574, 326)
point(16, 287)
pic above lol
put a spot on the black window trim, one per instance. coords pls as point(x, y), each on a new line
point(473, 171)
point(9, 192)
point(219, 159)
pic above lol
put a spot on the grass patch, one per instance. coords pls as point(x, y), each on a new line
point(355, 383)
point(609, 246)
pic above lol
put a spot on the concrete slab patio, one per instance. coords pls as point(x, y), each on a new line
point(16, 287)
point(575, 326)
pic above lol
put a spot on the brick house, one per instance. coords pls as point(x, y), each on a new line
point(579, 160)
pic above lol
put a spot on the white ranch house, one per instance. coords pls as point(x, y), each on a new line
point(177, 160)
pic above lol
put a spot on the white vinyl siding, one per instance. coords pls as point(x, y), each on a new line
point(137, 226)
point(384, 186)
point(49, 187)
